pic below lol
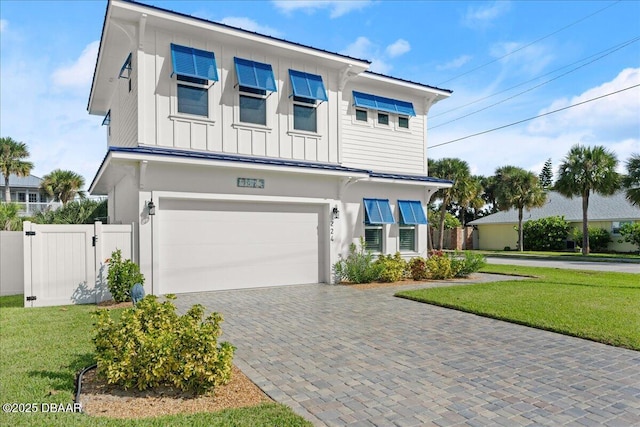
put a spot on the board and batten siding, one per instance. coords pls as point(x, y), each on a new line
point(382, 148)
point(162, 125)
point(124, 111)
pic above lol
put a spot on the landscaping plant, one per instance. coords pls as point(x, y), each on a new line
point(358, 267)
point(122, 275)
point(599, 239)
point(439, 266)
point(630, 233)
point(418, 268)
point(466, 263)
point(152, 345)
point(393, 267)
point(546, 234)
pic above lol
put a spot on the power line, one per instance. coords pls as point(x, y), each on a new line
point(538, 85)
point(612, 48)
point(529, 44)
point(532, 118)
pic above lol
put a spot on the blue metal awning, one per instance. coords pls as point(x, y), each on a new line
point(255, 75)
point(309, 86)
point(196, 63)
point(378, 211)
point(375, 102)
point(411, 212)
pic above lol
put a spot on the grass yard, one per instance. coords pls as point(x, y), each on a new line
point(41, 349)
point(598, 306)
point(577, 256)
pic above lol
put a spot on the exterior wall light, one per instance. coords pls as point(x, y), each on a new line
point(151, 207)
point(335, 212)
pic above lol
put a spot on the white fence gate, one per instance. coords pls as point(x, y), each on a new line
point(11, 271)
point(64, 264)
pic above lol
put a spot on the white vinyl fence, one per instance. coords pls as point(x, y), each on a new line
point(65, 264)
point(11, 271)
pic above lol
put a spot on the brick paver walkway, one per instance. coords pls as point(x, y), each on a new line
point(341, 356)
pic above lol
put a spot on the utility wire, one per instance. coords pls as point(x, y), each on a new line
point(623, 44)
point(536, 86)
point(529, 44)
point(534, 117)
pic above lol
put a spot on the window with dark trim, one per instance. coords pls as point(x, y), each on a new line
point(305, 115)
point(361, 115)
point(403, 122)
point(253, 106)
point(383, 119)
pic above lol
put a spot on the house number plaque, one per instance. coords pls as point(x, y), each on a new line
point(251, 182)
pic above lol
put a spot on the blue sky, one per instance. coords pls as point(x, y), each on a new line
point(476, 49)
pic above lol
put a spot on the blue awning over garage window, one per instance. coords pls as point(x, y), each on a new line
point(309, 86)
point(375, 102)
point(255, 75)
point(378, 211)
point(411, 212)
point(195, 63)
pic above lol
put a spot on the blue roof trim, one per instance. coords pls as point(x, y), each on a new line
point(255, 75)
point(378, 211)
point(191, 62)
point(381, 103)
point(306, 85)
point(411, 212)
point(157, 151)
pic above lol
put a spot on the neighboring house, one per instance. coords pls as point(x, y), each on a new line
point(25, 190)
point(497, 231)
point(246, 160)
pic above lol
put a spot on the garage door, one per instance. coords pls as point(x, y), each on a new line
point(230, 245)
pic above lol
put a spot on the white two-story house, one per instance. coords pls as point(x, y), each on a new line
point(246, 160)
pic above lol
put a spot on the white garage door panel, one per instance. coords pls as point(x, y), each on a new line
point(212, 246)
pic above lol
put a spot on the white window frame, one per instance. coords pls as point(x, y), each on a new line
point(193, 117)
point(248, 125)
point(381, 229)
point(310, 104)
point(401, 128)
point(414, 228)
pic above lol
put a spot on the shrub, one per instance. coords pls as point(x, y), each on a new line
point(151, 345)
point(439, 266)
point(122, 276)
point(418, 268)
point(84, 211)
point(630, 233)
point(599, 239)
point(358, 267)
point(467, 263)
point(546, 234)
point(392, 267)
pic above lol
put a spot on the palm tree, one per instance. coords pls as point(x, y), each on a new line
point(587, 169)
point(469, 196)
point(631, 180)
point(519, 189)
point(455, 170)
point(63, 185)
point(12, 154)
point(10, 219)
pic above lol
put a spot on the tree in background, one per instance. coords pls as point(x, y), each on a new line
point(10, 219)
point(469, 198)
point(63, 185)
point(585, 170)
point(546, 175)
point(452, 169)
point(85, 211)
point(631, 180)
point(489, 193)
point(519, 189)
point(12, 155)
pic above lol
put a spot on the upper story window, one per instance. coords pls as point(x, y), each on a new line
point(255, 79)
point(194, 68)
point(307, 90)
point(384, 106)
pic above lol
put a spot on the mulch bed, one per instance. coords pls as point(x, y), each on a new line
point(101, 399)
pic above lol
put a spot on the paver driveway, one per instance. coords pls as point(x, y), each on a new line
point(342, 356)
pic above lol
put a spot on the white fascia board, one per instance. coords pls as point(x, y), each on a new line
point(234, 165)
point(436, 185)
point(247, 198)
point(413, 86)
point(99, 173)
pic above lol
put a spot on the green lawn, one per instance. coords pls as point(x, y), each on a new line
point(41, 349)
point(605, 257)
point(599, 306)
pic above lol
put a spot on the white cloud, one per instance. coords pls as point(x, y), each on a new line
point(336, 8)
point(479, 17)
point(4, 24)
point(399, 47)
point(78, 75)
point(455, 63)
point(363, 48)
point(612, 117)
point(250, 25)
point(529, 60)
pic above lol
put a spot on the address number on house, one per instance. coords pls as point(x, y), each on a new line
point(251, 182)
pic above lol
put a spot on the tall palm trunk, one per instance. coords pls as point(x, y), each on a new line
point(585, 224)
point(443, 213)
point(7, 190)
point(520, 231)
